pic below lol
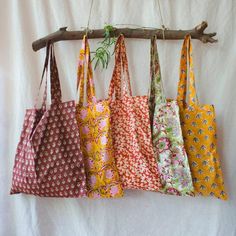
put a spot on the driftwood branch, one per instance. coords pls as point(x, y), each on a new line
point(63, 34)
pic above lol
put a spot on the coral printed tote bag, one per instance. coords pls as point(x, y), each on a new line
point(49, 162)
point(199, 131)
point(96, 141)
point(131, 129)
point(167, 135)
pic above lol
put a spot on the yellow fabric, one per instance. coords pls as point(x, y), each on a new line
point(199, 131)
point(95, 133)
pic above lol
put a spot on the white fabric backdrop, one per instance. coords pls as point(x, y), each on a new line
point(138, 213)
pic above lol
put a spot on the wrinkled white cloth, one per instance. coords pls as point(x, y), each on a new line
point(139, 213)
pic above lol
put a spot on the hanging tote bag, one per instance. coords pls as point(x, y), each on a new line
point(49, 162)
point(172, 160)
point(131, 129)
point(95, 132)
point(199, 131)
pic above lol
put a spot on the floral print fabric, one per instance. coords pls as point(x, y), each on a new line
point(49, 160)
point(131, 129)
point(94, 122)
point(172, 160)
point(199, 131)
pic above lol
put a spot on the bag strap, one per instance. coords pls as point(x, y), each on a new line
point(119, 85)
point(85, 64)
point(157, 95)
point(186, 62)
point(45, 72)
point(54, 78)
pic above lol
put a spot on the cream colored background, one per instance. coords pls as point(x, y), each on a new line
point(138, 213)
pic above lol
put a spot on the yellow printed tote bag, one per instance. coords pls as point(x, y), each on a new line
point(96, 142)
point(199, 131)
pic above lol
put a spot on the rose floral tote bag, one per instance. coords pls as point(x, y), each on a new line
point(172, 160)
point(199, 131)
point(131, 129)
point(94, 123)
point(49, 162)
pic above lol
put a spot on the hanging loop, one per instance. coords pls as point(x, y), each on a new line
point(164, 28)
point(89, 17)
point(163, 33)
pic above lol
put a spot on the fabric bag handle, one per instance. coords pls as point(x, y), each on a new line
point(156, 91)
point(186, 62)
point(54, 78)
point(45, 71)
point(118, 85)
point(85, 64)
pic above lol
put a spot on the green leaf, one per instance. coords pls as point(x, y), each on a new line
point(102, 55)
point(96, 64)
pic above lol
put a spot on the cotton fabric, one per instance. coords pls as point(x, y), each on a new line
point(199, 130)
point(131, 128)
point(140, 212)
point(49, 161)
point(95, 131)
point(168, 144)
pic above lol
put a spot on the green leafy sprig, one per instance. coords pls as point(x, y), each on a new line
point(102, 54)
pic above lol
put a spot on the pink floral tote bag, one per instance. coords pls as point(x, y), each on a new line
point(168, 144)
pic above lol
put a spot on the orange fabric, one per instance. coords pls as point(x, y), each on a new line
point(131, 129)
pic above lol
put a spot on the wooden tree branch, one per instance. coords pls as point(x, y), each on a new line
point(63, 34)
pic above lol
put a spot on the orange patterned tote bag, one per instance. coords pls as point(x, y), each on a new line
point(131, 129)
point(95, 132)
point(167, 136)
point(199, 131)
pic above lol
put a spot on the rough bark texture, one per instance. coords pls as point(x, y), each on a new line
point(63, 34)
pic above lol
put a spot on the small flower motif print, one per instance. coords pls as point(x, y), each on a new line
point(173, 191)
point(180, 172)
point(165, 160)
point(83, 114)
point(102, 124)
point(184, 182)
point(176, 131)
point(94, 99)
point(85, 129)
point(109, 174)
point(88, 146)
point(93, 180)
point(157, 126)
point(163, 144)
point(175, 160)
point(105, 157)
point(99, 107)
point(166, 177)
point(103, 140)
point(90, 163)
point(96, 195)
point(114, 190)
